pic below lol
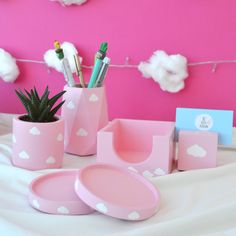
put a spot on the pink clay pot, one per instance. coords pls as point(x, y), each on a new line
point(84, 112)
point(38, 145)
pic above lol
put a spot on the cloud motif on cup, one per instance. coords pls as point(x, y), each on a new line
point(70, 105)
point(82, 132)
point(93, 98)
point(23, 155)
point(51, 160)
point(196, 151)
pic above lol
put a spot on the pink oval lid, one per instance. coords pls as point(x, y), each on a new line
point(54, 193)
point(117, 192)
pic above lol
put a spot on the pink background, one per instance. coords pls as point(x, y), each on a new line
point(200, 30)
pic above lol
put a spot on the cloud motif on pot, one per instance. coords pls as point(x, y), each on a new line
point(102, 207)
point(35, 131)
point(60, 137)
point(70, 105)
point(24, 155)
point(51, 160)
point(82, 132)
point(35, 203)
point(93, 98)
point(63, 210)
point(196, 151)
point(134, 215)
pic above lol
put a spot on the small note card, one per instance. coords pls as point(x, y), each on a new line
point(220, 121)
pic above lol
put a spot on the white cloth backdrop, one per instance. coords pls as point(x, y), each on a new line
point(200, 202)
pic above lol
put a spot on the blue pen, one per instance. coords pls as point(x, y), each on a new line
point(95, 73)
point(102, 72)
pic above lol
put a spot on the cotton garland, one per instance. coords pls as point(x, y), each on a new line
point(9, 70)
point(52, 60)
point(169, 71)
point(70, 2)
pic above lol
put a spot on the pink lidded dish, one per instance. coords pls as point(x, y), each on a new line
point(117, 192)
point(54, 193)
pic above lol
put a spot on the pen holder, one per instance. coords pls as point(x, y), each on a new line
point(84, 112)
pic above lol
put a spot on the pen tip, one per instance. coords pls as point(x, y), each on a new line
point(57, 44)
point(103, 47)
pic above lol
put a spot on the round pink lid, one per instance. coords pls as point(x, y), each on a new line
point(54, 193)
point(117, 192)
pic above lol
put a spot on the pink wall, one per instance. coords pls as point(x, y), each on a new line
point(200, 30)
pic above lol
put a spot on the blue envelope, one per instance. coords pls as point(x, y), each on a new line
point(220, 121)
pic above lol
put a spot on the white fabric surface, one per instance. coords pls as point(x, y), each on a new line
point(200, 202)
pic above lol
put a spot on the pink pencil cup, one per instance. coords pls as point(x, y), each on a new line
point(142, 146)
point(84, 112)
point(197, 149)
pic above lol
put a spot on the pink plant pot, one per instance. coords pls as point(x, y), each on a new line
point(84, 112)
point(38, 145)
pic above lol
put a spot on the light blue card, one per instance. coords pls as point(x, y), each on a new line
point(220, 121)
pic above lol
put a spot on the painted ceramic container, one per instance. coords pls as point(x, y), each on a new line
point(84, 112)
point(38, 145)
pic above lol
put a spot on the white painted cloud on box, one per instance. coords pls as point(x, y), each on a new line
point(196, 151)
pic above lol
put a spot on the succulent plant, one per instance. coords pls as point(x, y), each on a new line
point(39, 109)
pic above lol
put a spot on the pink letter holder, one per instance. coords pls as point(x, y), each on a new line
point(84, 112)
point(197, 149)
point(142, 146)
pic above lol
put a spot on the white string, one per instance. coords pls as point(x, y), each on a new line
point(127, 65)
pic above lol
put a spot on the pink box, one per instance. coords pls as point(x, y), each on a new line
point(142, 146)
point(84, 112)
point(197, 149)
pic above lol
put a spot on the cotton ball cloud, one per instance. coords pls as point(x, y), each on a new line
point(169, 71)
point(70, 2)
point(9, 70)
point(52, 60)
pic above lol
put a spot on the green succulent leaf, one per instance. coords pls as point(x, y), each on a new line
point(40, 109)
point(54, 110)
point(54, 99)
point(36, 94)
point(29, 95)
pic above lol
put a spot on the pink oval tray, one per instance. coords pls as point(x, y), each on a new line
point(54, 193)
point(117, 192)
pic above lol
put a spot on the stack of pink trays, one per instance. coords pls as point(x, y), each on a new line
point(109, 189)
